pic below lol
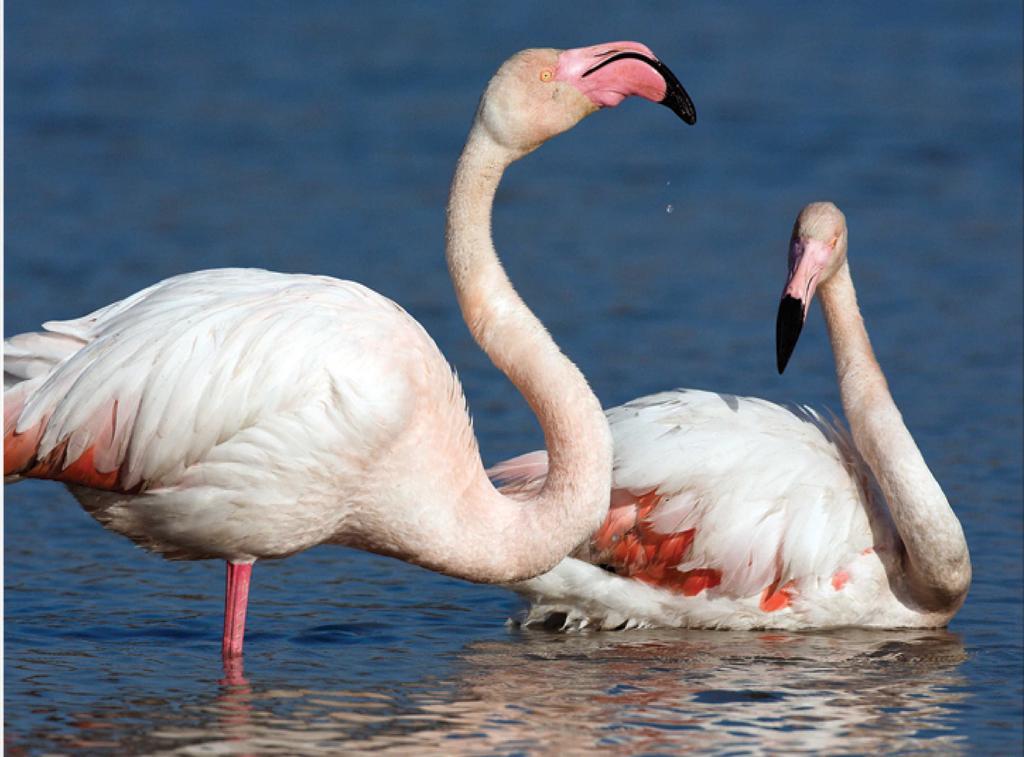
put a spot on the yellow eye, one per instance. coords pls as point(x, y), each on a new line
point(546, 75)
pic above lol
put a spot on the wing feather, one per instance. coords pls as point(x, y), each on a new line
point(763, 494)
point(147, 386)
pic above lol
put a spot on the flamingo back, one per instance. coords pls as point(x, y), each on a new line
point(132, 395)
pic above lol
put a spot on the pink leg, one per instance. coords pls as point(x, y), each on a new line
point(236, 599)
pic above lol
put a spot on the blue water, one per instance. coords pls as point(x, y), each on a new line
point(147, 140)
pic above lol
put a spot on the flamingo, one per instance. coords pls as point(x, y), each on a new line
point(737, 513)
point(241, 414)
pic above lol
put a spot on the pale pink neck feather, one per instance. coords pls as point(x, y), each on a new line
point(533, 535)
point(939, 569)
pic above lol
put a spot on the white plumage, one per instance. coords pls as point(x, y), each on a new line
point(772, 494)
point(234, 388)
point(768, 486)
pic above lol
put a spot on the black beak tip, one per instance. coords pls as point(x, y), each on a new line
point(676, 97)
point(679, 102)
point(788, 325)
point(781, 361)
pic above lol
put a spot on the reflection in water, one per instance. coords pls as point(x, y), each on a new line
point(707, 690)
point(667, 691)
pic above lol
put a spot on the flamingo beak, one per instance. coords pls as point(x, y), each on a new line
point(609, 73)
point(807, 260)
point(676, 98)
point(788, 324)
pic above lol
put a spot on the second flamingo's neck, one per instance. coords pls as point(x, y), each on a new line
point(574, 500)
point(938, 564)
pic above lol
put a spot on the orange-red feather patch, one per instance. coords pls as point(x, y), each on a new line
point(627, 542)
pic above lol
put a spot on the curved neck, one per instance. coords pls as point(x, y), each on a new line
point(938, 563)
point(524, 537)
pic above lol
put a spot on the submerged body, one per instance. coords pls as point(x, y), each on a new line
point(736, 513)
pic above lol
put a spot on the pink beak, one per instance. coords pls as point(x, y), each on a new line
point(609, 73)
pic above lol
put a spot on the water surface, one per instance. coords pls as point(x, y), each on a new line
point(148, 141)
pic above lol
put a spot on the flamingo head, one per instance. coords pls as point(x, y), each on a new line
point(817, 250)
point(539, 93)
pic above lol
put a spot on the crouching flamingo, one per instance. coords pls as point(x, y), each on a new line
point(244, 415)
point(736, 513)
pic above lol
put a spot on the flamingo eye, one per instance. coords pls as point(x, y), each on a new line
point(546, 75)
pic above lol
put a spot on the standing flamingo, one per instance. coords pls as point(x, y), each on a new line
point(736, 513)
point(243, 414)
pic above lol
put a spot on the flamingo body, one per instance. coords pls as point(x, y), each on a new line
point(726, 512)
point(235, 413)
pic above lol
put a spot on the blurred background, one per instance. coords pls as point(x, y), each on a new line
point(149, 139)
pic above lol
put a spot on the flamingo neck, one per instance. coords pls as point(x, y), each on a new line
point(527, 537)
point(938, 568)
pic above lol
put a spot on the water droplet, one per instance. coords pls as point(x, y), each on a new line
point(669, 208)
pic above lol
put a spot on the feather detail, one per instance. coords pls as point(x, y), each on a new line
point(132, 395)
point(727, 501)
